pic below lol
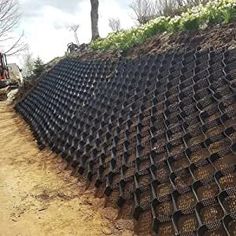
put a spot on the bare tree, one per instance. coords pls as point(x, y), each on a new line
point(94, 18)
point(17, 46)
point(9, 18)
point(170, 7)
point(144, 10)
point(28, 65)
point(114, 24)
point(75, 28)
point(176, 7)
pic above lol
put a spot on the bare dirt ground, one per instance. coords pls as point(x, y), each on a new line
point(38, 197)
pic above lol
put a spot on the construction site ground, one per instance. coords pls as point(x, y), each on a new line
point(38, 197)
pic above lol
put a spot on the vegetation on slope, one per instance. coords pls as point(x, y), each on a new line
point(214, 12)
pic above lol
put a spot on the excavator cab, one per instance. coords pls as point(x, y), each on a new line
point(10, 78)
point(4, 77)
point(4, 73)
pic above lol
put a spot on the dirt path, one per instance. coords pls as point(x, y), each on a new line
point(38, 197)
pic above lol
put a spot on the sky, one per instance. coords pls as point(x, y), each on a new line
point(46, 23)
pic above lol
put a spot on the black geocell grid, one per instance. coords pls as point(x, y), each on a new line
point(158, 131)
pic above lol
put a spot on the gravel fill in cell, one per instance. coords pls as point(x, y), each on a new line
point(166, 229)
point(211, 214)
point(187, 224)
point(208, 191)
point(186, 201)
point(232, 227)
point(228, 181)
point(204, 172)
point(165, 208)
point(230, 204)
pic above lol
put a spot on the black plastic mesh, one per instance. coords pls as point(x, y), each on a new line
point(157, 131)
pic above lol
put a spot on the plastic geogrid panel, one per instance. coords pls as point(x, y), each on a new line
point(158, 132)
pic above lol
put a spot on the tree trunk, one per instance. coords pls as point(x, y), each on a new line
point(94, 18)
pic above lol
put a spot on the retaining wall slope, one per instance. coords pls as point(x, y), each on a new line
point(157, 133)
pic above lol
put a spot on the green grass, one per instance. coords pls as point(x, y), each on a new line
point(214, 12)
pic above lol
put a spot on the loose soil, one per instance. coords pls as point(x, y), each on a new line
point(38, 197)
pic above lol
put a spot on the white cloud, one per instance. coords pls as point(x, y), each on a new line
point(46, 25)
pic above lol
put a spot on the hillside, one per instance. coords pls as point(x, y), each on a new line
point(153, 129)
point(134, 134)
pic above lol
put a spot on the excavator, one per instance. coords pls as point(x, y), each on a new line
point(6, 83)
point(4, 73)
